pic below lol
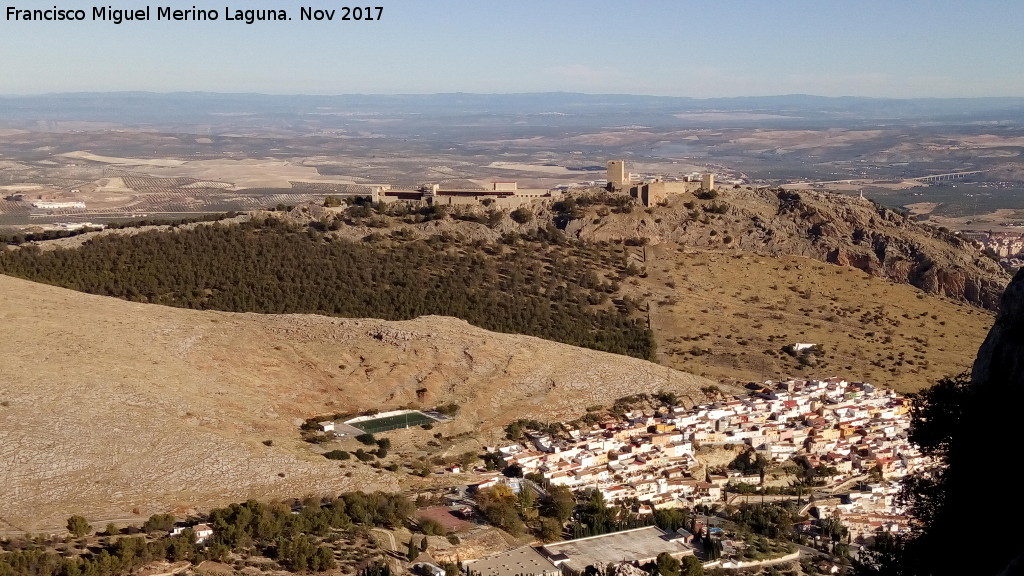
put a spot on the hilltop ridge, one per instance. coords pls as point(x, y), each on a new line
point(725, 281)
point(833, 228)
point(830, 227)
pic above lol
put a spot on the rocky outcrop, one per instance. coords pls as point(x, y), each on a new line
point(1000, 360)
point(830, 227)
point(997, 380)
point(983, 426)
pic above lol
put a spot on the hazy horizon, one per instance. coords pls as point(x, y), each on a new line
point(467, 93)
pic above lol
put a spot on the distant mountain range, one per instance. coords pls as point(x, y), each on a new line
point(149, 108)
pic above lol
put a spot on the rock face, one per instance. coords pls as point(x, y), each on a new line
point(998, 382)
point(829, 227)
point(1000, 362)
point(986, 430)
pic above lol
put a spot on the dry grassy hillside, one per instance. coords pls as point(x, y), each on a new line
point(729, 315)
point(113, 409)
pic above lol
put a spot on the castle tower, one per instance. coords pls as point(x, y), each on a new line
point(617, 174)
point(707, 181)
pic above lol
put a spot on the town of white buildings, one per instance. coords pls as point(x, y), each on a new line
point(853, 430)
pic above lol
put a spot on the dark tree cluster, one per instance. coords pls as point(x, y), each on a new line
point(299, 542)
point(526, 285)
point(17, 239)
point(594, 517)
point(522, 512)
point(573, 207)
point(774, 520)
point(750, 462)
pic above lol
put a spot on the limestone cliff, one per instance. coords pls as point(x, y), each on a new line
point(829, 227)
point(1000, 362)
point(993, 428)
point(990, 429)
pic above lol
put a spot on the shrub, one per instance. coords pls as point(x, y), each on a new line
point(78, 526)
point(513, 471)
point(337, 455)
point(431, 527)
point(159, 523)
point(521, 215)
point(447, 409)
point(315, 438)
point(367, 439)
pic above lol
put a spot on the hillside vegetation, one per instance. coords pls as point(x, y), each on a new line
point(727, 283)
point(541, 285)
point(152, 408)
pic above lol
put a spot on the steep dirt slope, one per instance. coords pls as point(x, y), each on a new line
point(113, 409)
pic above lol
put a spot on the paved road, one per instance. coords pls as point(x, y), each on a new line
point(852, 480)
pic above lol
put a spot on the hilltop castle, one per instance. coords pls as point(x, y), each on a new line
point(649, 191)
point(654, 191)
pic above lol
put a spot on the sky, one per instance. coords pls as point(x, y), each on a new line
point(713, 48)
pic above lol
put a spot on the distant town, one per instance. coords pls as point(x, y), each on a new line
point(850, 438)
point(1006, 247)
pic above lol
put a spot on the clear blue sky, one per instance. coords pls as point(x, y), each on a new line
point(892, 48)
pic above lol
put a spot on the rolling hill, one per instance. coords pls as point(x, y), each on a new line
point(118, 410)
